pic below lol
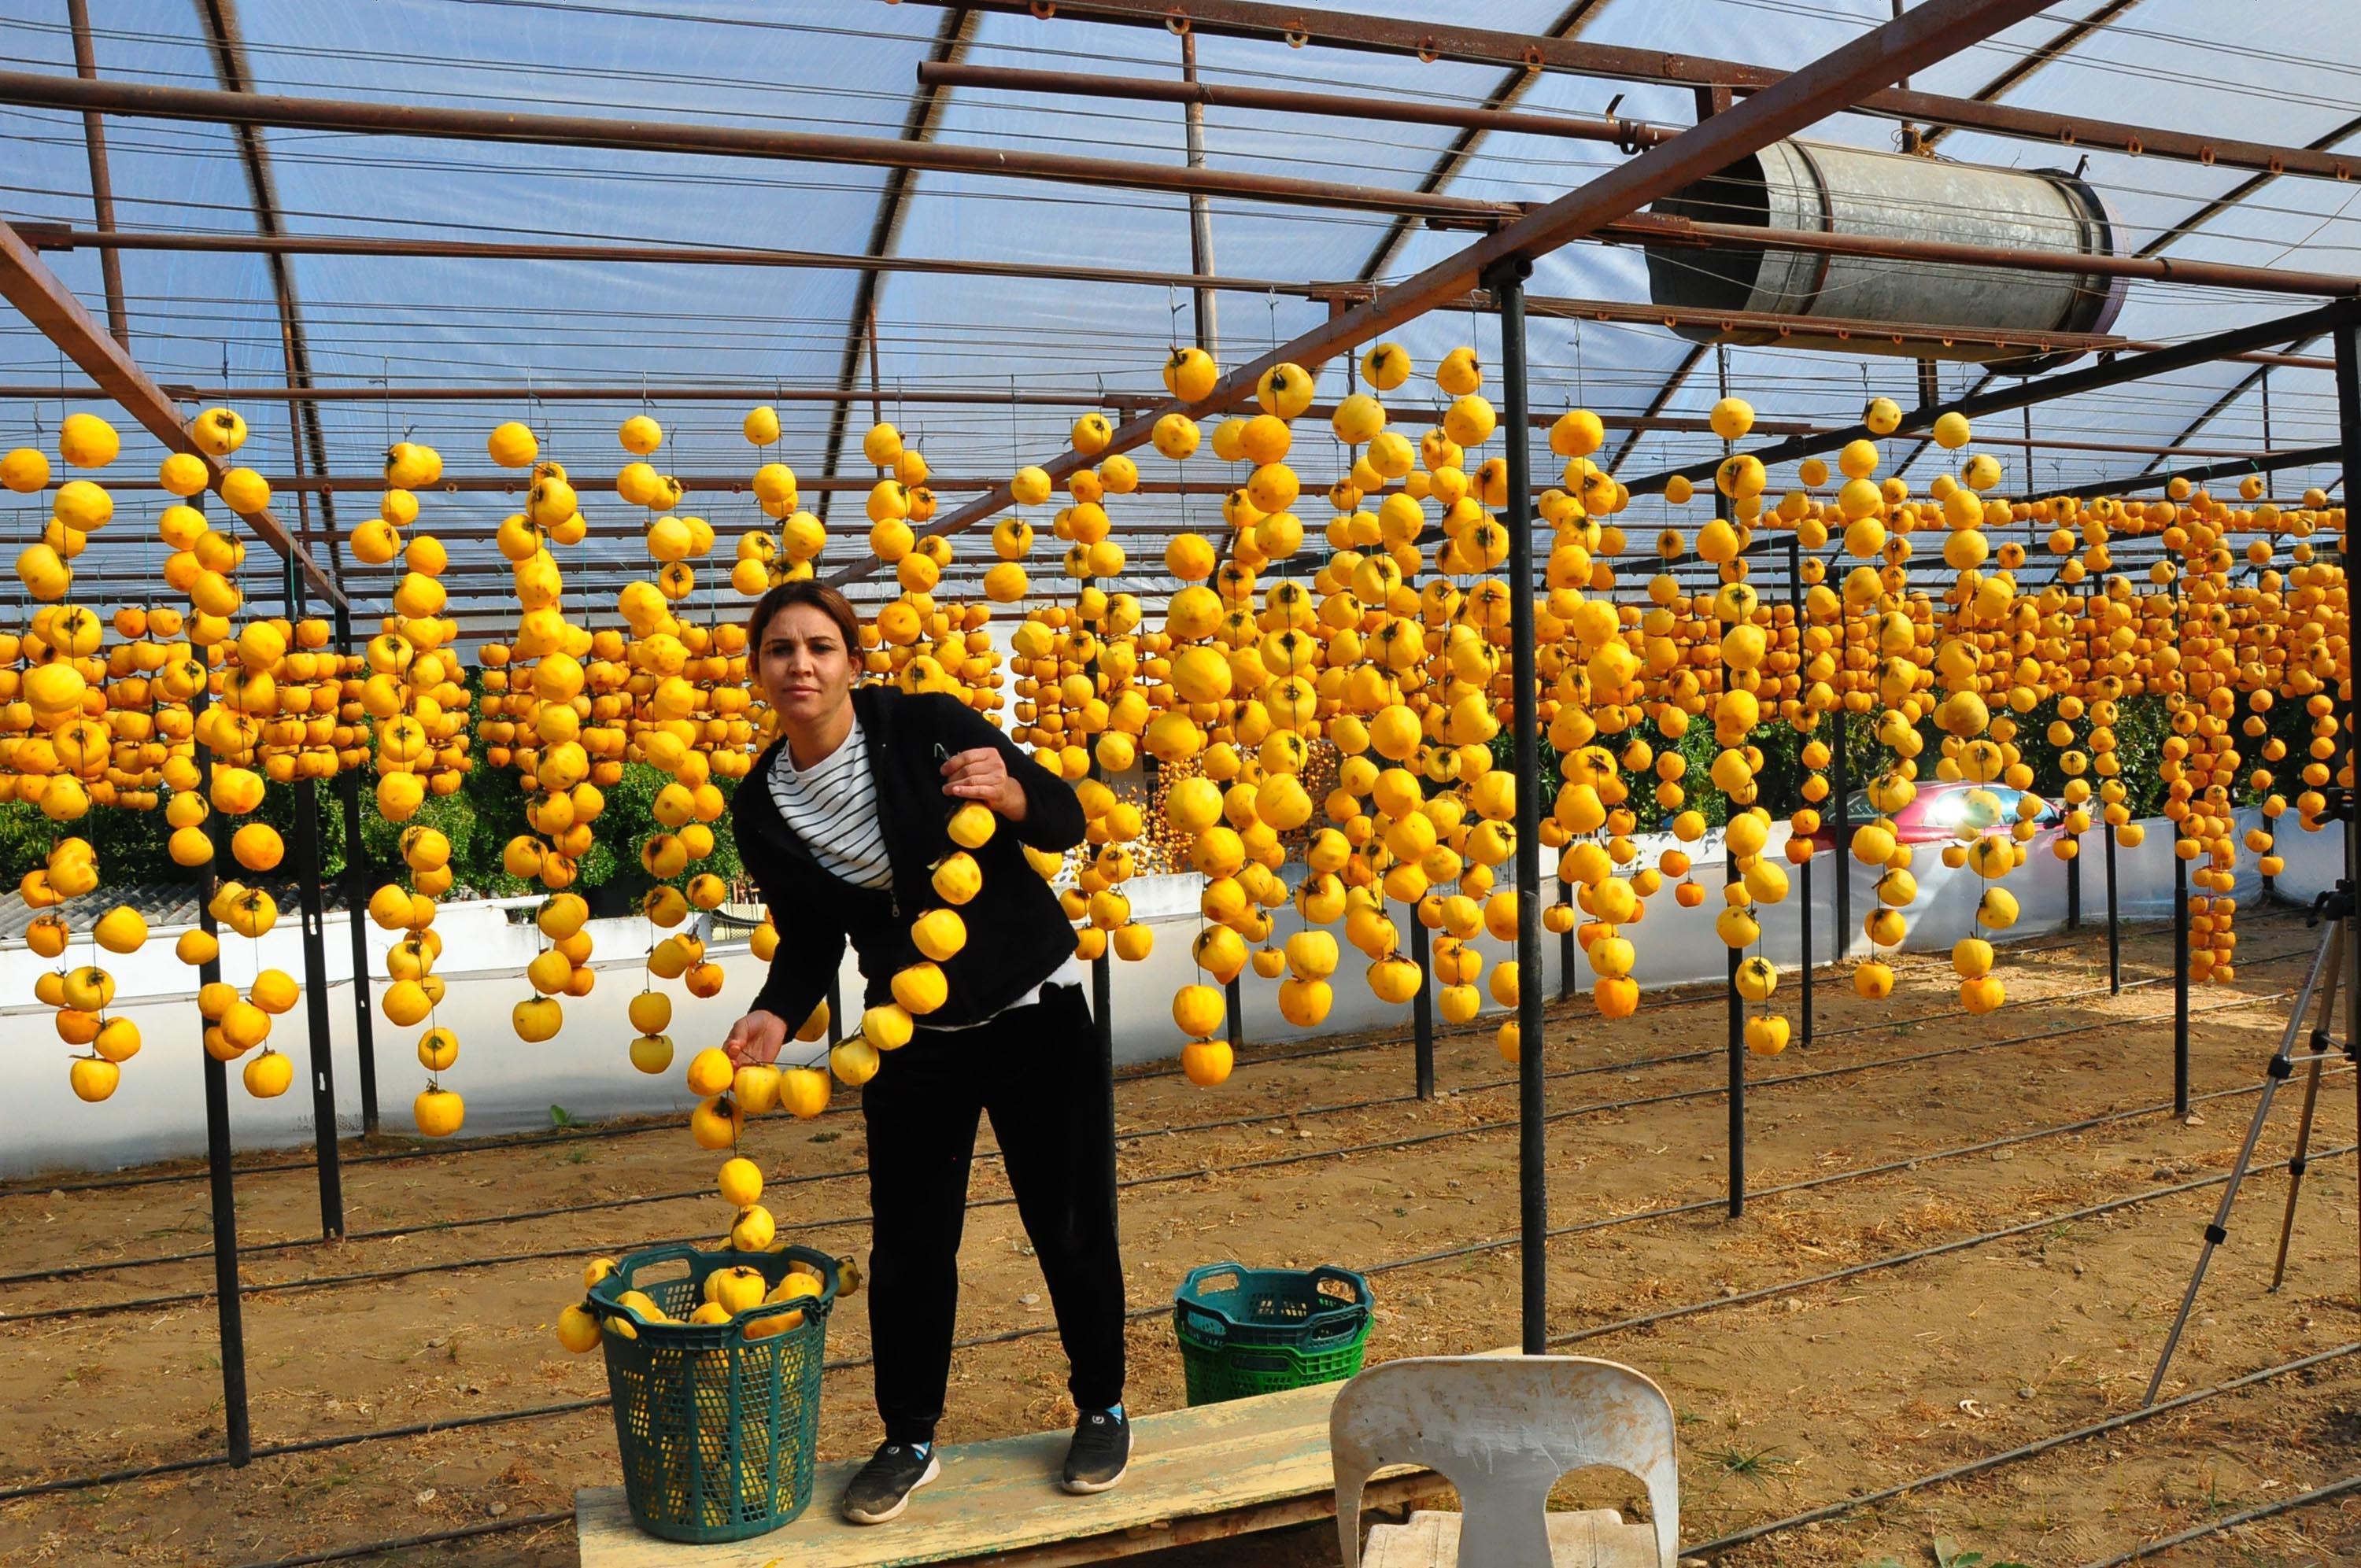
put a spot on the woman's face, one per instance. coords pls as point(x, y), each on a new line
point(804, 666)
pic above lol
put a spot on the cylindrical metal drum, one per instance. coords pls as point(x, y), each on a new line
point(1828, 189)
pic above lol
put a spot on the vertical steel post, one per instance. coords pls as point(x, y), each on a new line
point(1422, 1008)
point(1233, 1006)
point(2348, 430)
point(1735, 1006)
point(1839, 794)
point(1200, 210)
point(357, 894)
point(2115, 924)
point(1804, 870)
point(2179, 939)
point(221, 1178)
point(1507, 284)
point(2074, 887)
point(313, 920)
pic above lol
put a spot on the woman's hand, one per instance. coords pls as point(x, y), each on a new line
point(983, 774)
point(758, 1038)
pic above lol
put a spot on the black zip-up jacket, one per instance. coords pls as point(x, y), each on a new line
point(1016, 934)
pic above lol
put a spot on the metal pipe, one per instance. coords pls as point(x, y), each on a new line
point(2044, 388)
point(1507, 285)
point(1928, 33)
point(220, 1172)
point(1206, 314)
point(1648, 229)
point(314, 923)
point(1796, 802)
point(1431, 40)
point(2114, 922)
point(2348, 428)
point(27, 89)
point(1422, 1009)
point(101, 182)
point(1630, 134)
point(357, 894)
point(1659, 229)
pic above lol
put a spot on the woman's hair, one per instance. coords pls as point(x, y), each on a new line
point(814, 593)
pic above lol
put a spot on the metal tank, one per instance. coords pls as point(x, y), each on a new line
point(1857, 192)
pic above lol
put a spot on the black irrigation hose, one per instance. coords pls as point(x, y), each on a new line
point(572, 1406)
point(2028, 1451)
point(186, 1298)
point(69, 1271)
point(635, 1125)
point(2038, 1447)
point(2232, 1521)
point(405, 1543)
point(1896, 1260)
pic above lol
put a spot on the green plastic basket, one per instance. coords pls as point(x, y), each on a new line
point(717, 1430)
point(1263, 1331)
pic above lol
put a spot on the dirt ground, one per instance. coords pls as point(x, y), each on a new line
point(1800, 1398)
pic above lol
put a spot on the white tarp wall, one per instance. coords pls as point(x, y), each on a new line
point(159, 1111)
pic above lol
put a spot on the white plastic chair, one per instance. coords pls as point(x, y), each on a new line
point(1502, 1430)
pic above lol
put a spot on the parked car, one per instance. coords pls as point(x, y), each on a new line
point(1935, 815)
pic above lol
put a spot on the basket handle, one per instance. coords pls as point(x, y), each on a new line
point(1202, 1319)
point(1344, 1319)
point(602, 1295)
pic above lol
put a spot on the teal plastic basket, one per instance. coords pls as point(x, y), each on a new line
point(1263, 1331)
point(717, 1431)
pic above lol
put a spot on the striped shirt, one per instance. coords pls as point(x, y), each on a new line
point(832, 808)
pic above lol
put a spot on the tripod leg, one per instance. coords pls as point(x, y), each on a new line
point(2295, 1172)
point(2331, 940)
point(2311, 1098)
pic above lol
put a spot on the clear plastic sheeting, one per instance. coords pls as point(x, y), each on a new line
point(2291, 74)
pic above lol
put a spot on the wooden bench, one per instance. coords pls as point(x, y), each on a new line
point(1196, 1474)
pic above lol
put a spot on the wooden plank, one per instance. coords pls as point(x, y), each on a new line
point(1591, 1538)
point(1195, 1473)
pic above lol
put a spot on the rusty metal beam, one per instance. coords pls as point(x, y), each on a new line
point(102, 181)
point(1490, 117)
point(1431, 40)
point(1454, 157)
point(2148, 266)
point(2047, 388)
point(45, 302)
point(39, 90)
point(919, 123)
point(226, 43)
point(2145, 267)
point(1926, 34)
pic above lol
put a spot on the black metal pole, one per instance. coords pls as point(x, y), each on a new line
point(2180, 937)
point(2114, 922)
point(1234, 1004)
point(1566, 944)
point(2074, 887)
point(1803, 867)
point(1422, 1008)
point(228, 1309)
point(357, 894)
point(2348, 429)
point(313, 920)
point(1507, 284)
point(2179, 981)
point(1736, 1008)
point(1839, 794)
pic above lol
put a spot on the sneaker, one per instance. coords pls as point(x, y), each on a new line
point(1101, 1452)
point(882, 1490)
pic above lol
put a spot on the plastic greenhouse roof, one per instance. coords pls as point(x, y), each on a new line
point(2291, 74)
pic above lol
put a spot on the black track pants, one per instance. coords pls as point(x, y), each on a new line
point(1036, 1070)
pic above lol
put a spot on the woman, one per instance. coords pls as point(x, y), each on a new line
point(841, 823)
